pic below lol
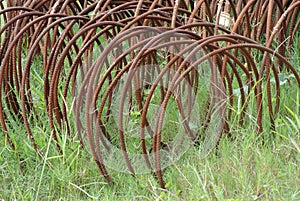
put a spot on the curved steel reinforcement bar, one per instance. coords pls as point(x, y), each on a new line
point(108, 65)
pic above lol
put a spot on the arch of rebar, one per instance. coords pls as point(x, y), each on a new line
point(231, 38)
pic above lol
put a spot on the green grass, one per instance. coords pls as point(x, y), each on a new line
point(242, 168)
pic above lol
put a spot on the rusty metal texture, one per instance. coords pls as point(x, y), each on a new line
point(72, 42)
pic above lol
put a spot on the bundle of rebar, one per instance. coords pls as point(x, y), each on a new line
point(104, 59)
